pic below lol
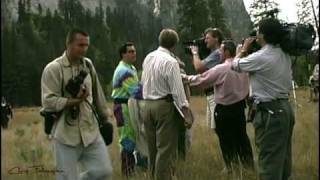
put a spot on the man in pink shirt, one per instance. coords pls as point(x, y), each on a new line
point(231, 89)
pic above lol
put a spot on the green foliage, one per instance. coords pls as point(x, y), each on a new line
point(302, 67)
point(259, 6)
point(306, 16)
point(38, 37)
point(195, 17)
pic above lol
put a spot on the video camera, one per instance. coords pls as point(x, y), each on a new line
point(297, 38)
point(203, 50)
point(254, 46)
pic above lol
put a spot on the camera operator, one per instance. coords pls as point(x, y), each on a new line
point(76, 139)
point(213, 39)
point(270, 80)
point(231, 89)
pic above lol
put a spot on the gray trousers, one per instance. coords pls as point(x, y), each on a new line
point(160, 120)
point(273, 125)
point(94, 158)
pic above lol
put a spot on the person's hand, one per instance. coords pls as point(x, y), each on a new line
point(239, 48)
point(184, 78)
point(194, 49)
point(247, 45)
point(188, 117)
point(84, 93)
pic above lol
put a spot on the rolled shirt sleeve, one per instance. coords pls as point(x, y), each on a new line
point(51, 82)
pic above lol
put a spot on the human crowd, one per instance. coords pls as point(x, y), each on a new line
point(153, 115)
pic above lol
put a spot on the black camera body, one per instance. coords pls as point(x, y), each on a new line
point(49, 119)
point(74, 84)
point(298, 38)
point(254, 45)
point(73, 87)
point(200, 43)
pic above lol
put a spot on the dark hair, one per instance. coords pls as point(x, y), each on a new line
point(168, 38)
point(71, 35)
point(230, 46)
point(272, 30)
point(123, 48)
point(216, 33)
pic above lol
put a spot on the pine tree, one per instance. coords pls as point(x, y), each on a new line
point(260, 6)
point(193, 18)
point(306, 16)
point(217, 16)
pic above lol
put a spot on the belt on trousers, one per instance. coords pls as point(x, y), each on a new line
point(120, 101)
point(267, 106)
point(168, 98)
point(209, 91)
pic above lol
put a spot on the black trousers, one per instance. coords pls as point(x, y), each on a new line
point(231, 130)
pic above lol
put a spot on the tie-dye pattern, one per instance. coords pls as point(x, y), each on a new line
point(125, 84)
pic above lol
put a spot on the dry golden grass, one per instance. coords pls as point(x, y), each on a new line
point(24, 144)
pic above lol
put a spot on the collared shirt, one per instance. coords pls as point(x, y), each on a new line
point(213, 59)
point(269, 72)
point(85, 127)
point(229, 86)
point(161, 76)
point(125, 82)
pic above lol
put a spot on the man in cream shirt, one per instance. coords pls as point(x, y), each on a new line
point(76, 135)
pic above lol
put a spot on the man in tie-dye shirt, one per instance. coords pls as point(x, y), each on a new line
point(125, 84)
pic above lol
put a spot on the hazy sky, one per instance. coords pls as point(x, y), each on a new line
point(288, 9)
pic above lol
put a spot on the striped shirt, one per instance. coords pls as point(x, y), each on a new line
point(161, 76)
point(125, 82)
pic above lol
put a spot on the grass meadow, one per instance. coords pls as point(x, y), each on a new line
point(24, 144)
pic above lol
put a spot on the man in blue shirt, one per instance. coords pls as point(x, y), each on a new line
point(213, 39)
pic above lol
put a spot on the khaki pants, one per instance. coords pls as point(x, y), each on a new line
point(273, 125)
point(210, 111)
point(138, 126)
point(161, 126)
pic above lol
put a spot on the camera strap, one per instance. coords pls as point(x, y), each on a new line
point(62, 79)
point(88, 64)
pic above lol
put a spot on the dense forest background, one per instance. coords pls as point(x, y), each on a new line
point(37, 38)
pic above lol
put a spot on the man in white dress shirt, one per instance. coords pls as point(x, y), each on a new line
point(163, 95)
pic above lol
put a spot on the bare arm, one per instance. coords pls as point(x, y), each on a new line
point(198, 65)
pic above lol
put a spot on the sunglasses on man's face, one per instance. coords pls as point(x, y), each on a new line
point(131, 51)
